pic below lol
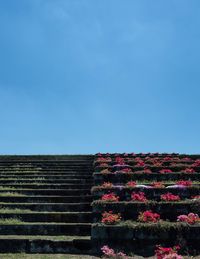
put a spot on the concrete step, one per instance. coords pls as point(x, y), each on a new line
point(49, 176)
point(57, 207)
point(62, 217)
point(47, 186)
point(82, 229)
point(45, 244)
point(59, 192)
point(46, 199)
point(41, 180)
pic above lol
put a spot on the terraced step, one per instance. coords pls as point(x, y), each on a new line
point(46, 199)
point(45, 244)
point(42, 200)
point(66, 217)
point(58, 192)
point(58, 207)
point(82, 229)
point(42, 180)
point(48, 186)
point(48, 176)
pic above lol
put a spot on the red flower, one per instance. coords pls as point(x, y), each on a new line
point(196, 163)
point(158, 185)
point(165, 171)
point(148, 216)
point(147, 171)
point(170, 197)
point(140, 196)
point(165, 252)
point(110, 218)
point(189, 170)
point(111, 197)
point(184, 183)
point(119, 160)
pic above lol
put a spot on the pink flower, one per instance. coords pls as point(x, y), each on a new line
point(184, 183)
point(110, 253)
point(191, 218)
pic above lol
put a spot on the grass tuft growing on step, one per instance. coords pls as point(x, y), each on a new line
point(10, 221)
point(9, 194)
point(8, 210)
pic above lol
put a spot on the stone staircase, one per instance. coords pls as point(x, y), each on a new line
point(45, 204)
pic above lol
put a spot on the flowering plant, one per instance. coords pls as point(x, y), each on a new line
point(105, 171)
point(110, 253)
point(189, 170)
point(184, 183)
point(140, 164)
point(196, 197)
point(104, 159)
point(126, 170)
point(148, 216)
point(147, 171)
point(131, 184)
point(158, 185)
point(140, 196)
point(191, 218)
point(196, 163)
point(167, 252)
point(110, 218)
point(165, 171)
point(107, 185)
point(119, 160)
point(110, 197)
point(170, 197)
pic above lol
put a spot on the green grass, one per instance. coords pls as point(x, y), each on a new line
point(10, 194)
point(8, 210)
point(10, 221)
point(45, 256)
point(53, 238)
point(7, 188)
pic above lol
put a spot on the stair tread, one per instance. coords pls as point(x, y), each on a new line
point(53, 238)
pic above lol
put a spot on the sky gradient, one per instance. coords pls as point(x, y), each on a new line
point(85, 76)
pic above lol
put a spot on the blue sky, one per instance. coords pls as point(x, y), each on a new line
point(83, 76)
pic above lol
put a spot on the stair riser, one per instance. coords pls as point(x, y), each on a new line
point(57, 217)
point(45, 246)
point(99, 179)
point(48, 186)
point(46, 199)
point(52, 230)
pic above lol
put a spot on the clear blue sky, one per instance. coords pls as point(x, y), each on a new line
point(83, 76)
